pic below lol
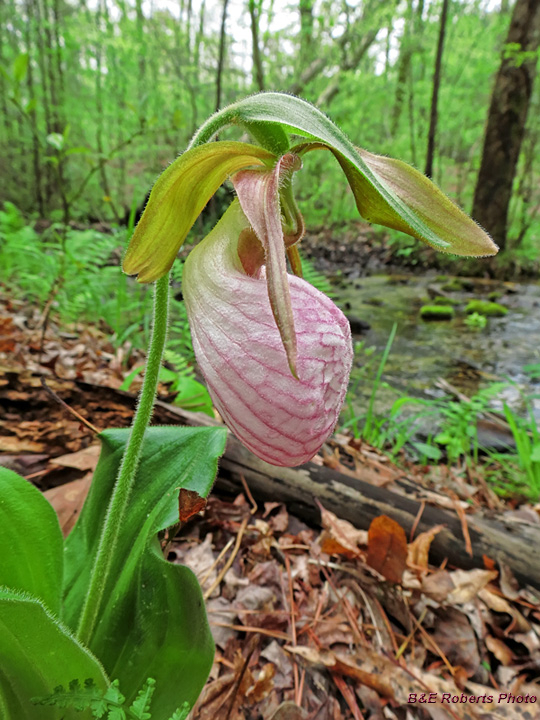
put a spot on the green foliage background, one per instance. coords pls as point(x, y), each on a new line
point(98, 97)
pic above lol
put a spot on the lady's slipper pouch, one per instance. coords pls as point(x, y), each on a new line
point(282, 418)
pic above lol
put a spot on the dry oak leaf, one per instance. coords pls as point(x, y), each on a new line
point(455, 636)
point(340, 536)
point(67, 501)
point(418, 551)
point(468, 583)
point(500, 605)
point(501, 651)
point(85, 459)
point(189, 503)
point(387, 548)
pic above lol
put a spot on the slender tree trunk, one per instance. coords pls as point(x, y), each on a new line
point(105, 187)
point(506, 120)
point(435, 96)
point(45, 96)
point(36, 150)
point(404, 65)
point(3, 87)
point(258, 74)
point(305, 55)
point(221, 58)
point(141, 50)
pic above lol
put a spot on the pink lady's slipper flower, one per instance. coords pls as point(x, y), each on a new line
point(275, 352)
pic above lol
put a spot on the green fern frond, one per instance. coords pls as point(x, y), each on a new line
point(316, 278)
point(182, 712)
point(140, 708)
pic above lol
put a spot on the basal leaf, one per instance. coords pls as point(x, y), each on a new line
point(154, 623)
point(31, 544)
point(38, 653)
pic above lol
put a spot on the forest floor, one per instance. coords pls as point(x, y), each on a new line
point(358, 249)
point(310, 623)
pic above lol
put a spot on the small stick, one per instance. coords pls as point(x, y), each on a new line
point(463, 520)
point(254, 506)
point(417, 519)
point(64, 404)
point(216, 562)
point(230, 561)
point(293, 629)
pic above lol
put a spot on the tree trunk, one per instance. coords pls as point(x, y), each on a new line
point(221, 59)
point(258, 74)
point(305, 55)
point(506, 120)
point(36, 150)
point(404, 64)
point(435, 96)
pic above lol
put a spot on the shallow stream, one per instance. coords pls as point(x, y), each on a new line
point(424, 351)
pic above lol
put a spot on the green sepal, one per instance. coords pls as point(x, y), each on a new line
point(38, 653)
point(31, 543)
point(384, 189)
point(178, 197)
point(153, 622)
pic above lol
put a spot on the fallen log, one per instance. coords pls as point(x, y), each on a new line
point(501, 538)
point(507, 540)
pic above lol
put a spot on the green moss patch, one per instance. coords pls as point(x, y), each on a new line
point(436, 312)
point(483, 307)
point(440, 300)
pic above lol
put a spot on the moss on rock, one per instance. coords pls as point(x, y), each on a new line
point(436, 312)
point(484, 307)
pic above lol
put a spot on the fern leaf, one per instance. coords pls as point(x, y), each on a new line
point(76, 697)
point(182, 712)
point(140, 707)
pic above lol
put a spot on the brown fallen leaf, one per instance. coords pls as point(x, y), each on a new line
point(454, 635)
point(418, 550)
point(501, 605)
point(501, 651)
point(468, 583)
point(387, 548)
point(508, 583)
point(189, 503)
point(288, 711)
point(341, 536)
point(261, 686)
point(438, 585)
point(67, 501)
point(12, 444)
point(85, 459)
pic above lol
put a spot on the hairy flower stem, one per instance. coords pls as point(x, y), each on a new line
point(114, 519)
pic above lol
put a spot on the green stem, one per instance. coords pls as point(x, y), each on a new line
point(118, 505)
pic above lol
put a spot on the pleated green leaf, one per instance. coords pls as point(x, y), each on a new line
point(153, 623)
point(31, 544)
point(38, 653)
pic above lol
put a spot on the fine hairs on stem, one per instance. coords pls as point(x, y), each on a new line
point(118, 504)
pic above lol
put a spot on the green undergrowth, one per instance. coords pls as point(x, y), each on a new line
point(446, 430)
point(75, 276)
point(109, 704)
